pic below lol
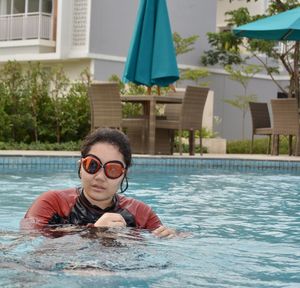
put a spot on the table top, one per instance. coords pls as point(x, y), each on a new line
point(148, 98)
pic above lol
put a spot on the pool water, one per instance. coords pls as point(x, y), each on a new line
point(244, 231)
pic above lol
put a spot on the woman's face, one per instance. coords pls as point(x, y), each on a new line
point(98, 188)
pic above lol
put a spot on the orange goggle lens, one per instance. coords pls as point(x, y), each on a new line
point(112, 169)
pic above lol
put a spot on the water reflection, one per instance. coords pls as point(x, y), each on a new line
point(98, 249)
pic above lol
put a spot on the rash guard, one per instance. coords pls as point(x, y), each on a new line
point(70, 206)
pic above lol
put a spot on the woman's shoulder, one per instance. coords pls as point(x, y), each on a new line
point(144, 216)
point(126, 202)
point(55, 197)
point(68, 191)
point(48, 204)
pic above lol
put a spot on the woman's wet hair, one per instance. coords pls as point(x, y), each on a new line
point(111, 136)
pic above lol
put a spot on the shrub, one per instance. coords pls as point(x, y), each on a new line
point(42, 105)
point(67, 146)
point(259, 147)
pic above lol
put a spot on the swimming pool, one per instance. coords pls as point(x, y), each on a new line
point(245, 231)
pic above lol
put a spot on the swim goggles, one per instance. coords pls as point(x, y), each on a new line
point(112, 169)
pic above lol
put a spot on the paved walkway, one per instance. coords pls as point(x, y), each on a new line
point(205, 156)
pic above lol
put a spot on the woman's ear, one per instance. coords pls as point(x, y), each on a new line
point(124, 182)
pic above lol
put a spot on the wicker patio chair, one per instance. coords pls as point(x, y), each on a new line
point(189, 116)
point(106, 111)
point(164, 143)
point(285, 122)
point(261, 124)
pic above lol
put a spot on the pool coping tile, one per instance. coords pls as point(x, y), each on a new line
point(69, 159)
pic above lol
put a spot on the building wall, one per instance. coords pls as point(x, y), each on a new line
point(74, 68)
point(64, 28)
point(231, 118)
point(103, 69)
point(36, 48)
point(112, 22)
point(193, 17)
point(112, 25)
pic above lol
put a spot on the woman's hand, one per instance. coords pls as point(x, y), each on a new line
point(163, 232)
point(110, 220)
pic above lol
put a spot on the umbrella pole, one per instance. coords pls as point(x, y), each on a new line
point(296, 83)
point(158, 90)
point(296, 71)
point(149, 90)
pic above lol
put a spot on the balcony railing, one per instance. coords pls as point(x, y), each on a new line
point(26, 26)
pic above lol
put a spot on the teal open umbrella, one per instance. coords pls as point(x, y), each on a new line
point(283, 26)
point(151, 58)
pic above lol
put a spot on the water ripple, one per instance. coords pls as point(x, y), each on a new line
point(244, 232)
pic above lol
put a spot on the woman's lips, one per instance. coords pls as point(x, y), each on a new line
point(98, 188)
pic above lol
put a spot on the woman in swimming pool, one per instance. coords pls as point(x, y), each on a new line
point(105, 159)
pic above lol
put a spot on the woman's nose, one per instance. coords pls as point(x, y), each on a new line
point(100, 174)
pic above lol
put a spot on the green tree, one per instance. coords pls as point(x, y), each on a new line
point(225, 46)
point(246, 1)
point(5, 123)
point(59, 87)
point(195, 75)
point(241, 101)
point(40, 104)
point(36, 96)
point(12, 79)
point(76, 109)
point(185, 45)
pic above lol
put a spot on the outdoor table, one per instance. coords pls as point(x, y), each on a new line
point(149, 104)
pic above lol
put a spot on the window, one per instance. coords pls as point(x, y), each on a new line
point(47, 6)
point(18, 6)
point(8, 7)
point(5, 7)
point(33, 6)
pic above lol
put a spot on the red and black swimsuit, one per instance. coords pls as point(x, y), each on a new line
point(70, 206)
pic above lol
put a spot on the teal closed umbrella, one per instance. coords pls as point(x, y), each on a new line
point(151, 58)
